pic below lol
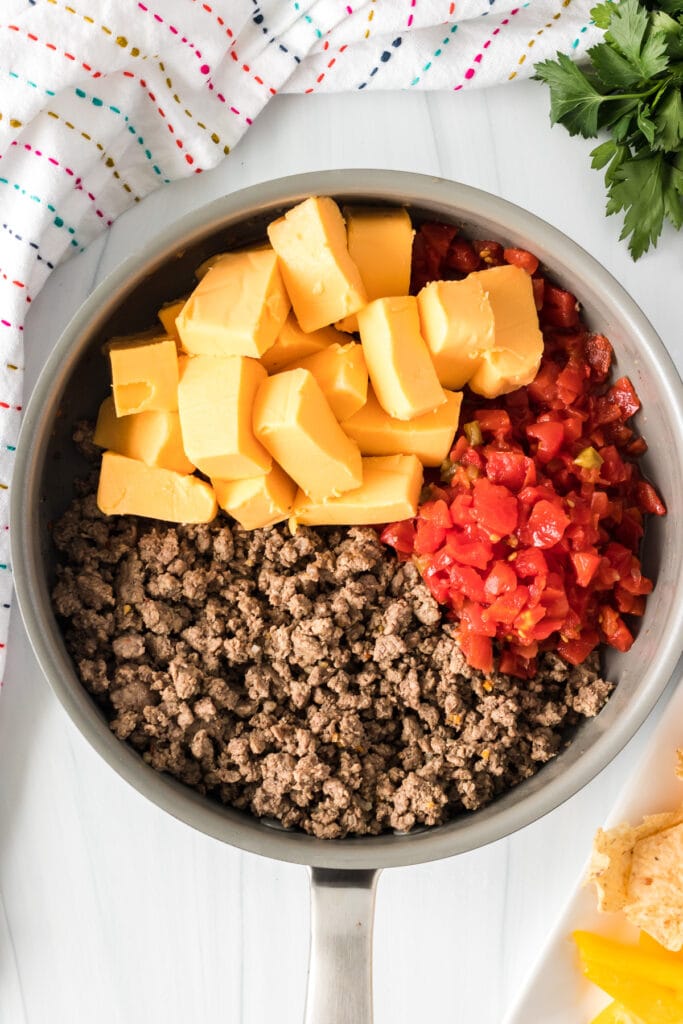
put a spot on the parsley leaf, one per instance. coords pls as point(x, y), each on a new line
point(638, 189)
point(574, 100)
point(633, 90)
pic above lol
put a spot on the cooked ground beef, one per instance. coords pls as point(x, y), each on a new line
point(307, 678)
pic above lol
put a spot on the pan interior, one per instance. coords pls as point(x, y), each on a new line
point(76, 378)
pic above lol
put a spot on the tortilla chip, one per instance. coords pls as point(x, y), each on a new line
point(640, 871)
point(610, 864)
point(655, 887)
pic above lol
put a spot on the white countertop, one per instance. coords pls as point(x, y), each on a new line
point(112, 912)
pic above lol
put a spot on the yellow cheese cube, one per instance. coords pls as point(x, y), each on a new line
point(322, 280)
point(398, 360)
point(144, 373)
point(456, 321)
point(167, 315)
point(518, 344)
point(215, 399)
point(152, 437)
point(380, 241)
point(341, 372)
point(204, 267)
point(129, 487)
point(390, 490)
point(293, 419)
point(292, 343)
point(259, 501)
point(237, 309)
point(429, 436)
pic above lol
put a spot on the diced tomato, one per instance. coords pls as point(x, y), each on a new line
point(550, 439)
point(521, 258)
point(462, 257)
point(598, 355)
point(649, 500)
point(469, 552)
point(429, 537)
point(571, 381)
point(436, 512)
point(478, 649)
point(468, 581)
point(576, 651)
point(461, 509)
point(430, 251)
point(623, 393)
point(614, 629)
point(585, 566)
point(500, 579)
point(494, 421)
point(494, 508)
point(511, 469)
point(505, 608)
point(490, 253)
point(531, 540)
point(538, 285)
point(400, 536)
point(546, 525)
point(530, 562)
point(560, 308)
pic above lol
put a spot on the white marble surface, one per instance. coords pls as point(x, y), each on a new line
point(113, 913)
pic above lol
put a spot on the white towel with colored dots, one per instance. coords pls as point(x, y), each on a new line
point(102, 101)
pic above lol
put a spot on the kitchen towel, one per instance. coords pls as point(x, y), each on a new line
point(102, 101)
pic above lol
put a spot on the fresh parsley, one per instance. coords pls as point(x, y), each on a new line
point(633, 89)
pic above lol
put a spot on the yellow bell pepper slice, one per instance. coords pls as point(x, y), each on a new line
point(653, 1004)
point(631, 961)
point(650, 945)
point(615, 1013)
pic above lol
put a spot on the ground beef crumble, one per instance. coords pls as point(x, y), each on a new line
point(307, 678)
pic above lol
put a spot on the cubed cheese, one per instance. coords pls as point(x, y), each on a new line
point(429, 436)
point(129, 487)
point(211, 261)
point(215, 400)
point(341, 372)
point(380, 241)
point(238, 308)
point(259, 501)
point(292, 343)
point(144, 373)
point(456, 320)
point(518, 343)
point(390, 490)
point(151, 437)
point(398, 360)
point(293, 420)
point(167, 315)
point(501, 371)
point(323, 282)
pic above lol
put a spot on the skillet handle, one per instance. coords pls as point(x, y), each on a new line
point(340, 961)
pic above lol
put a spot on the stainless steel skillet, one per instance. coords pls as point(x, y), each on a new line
point(344, 872)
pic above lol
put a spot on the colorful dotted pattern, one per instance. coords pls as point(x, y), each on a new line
point(102, 103)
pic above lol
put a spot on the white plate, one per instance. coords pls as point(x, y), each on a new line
point(556, 992)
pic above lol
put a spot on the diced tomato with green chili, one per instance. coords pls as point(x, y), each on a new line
point(531, 541)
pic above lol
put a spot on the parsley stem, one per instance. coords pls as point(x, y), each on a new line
point(633, 95)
